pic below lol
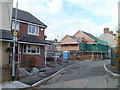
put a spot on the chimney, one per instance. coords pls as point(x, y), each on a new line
point(111, 32)
point(106, 30)
point(114, 35)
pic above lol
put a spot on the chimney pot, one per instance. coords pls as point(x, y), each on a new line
point(106, 30)
point(111, 32)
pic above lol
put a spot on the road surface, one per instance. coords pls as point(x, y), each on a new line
point(84, 74)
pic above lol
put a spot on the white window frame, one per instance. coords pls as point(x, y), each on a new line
point(37, 48)
point(33, 27)
point(17, 25)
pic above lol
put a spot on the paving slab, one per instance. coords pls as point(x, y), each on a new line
point(14, 84)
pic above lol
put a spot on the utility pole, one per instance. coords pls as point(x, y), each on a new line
point(14, 45)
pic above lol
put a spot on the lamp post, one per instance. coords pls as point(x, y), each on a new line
point(14, 44)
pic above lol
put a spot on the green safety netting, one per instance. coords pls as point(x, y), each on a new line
point(94, 47)
point(101, 42)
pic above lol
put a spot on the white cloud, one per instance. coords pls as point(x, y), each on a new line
point(97, 7)
point(55, 6)
point(52, 13)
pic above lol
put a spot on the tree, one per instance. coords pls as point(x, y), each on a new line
point(55, 40)
point(118, 49)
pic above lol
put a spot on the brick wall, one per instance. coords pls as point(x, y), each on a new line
point(69, 47)
point(82, 35)
point(31, 60)
point(28, 60)
point(24, 31)
point(67, 39)
point(86, 56)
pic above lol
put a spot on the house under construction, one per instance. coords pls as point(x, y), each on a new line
point(84, 46)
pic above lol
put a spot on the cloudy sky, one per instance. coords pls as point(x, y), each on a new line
point(68, 16)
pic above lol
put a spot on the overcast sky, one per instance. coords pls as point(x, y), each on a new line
point(68, 16)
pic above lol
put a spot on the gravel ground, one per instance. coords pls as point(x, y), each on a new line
point(41, 75)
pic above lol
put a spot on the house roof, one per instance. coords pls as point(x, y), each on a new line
point(31, 39)
point(6, 34)
point(50, 42)
point(94, 38)
point(91, 36)
point(76, 39)
point(26, 16)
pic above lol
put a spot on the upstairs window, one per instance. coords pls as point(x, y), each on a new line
point(32, 29)
point(17, 25)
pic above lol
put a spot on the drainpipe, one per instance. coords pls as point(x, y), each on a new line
point(19, 53)
point(45, 54)
point(13, 62)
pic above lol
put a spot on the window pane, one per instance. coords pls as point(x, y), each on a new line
point(13, 24)
point(17, 25)
point(33, 49)
point(38, 49)
point(29, 49)
point(24, 48)
point(29, 29)
point(33, 29)
point(37, 31)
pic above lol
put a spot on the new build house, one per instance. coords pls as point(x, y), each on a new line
point(31, 39)
point(84, 46)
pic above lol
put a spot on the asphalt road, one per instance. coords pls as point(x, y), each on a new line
point(84, 74)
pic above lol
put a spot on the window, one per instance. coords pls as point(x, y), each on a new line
point(31, 49)
point(17, 25)
point(32, 29)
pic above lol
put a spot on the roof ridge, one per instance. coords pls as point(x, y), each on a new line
point(27, 16)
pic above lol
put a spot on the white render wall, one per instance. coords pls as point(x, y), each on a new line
point(110, 39)
point(5, 14)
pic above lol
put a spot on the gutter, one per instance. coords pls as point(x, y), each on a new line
point(6, 40)
point(30, 43)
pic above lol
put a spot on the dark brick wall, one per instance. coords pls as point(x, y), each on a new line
point(24, 31)
point(28, 60)
point(86, 56)
point(31, 60)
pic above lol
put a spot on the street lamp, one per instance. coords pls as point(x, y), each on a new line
point(14, 44)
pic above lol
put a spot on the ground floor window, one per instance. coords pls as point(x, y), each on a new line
point(31, 49)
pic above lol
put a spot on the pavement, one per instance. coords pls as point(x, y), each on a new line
point(112, 70)
point(38, 78)
point(14, 84)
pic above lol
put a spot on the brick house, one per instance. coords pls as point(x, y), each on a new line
point(31, 39)
point(83, 45)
